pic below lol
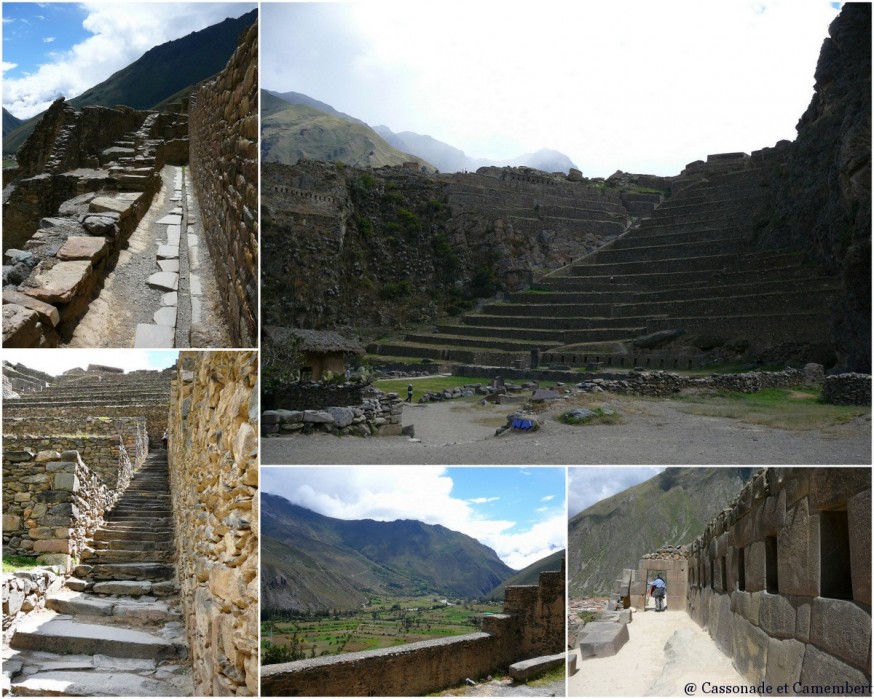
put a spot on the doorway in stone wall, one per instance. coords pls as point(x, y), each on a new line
point(648, 599)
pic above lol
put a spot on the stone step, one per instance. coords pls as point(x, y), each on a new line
point(121, 608)
point(454, 341)
point(135, 588)
point(707, 264)
point(131, 571)
point(448, 354)
point(60, 683)
point(117, 555)
point(63, 635)
point(551, 336)
point(648, 251)
point(105, 534)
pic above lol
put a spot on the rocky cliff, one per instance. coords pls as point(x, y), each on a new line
point(823, 200)
point(386, 248)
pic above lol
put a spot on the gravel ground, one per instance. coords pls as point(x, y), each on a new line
point(654, 432)
point(508, 688)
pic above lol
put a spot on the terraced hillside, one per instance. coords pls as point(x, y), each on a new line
point(684, 285)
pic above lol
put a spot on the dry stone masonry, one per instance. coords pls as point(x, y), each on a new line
point(213, 451)
point(224, 162)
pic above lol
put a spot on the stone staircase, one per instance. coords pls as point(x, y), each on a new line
point(115, 628)
point(690, 269)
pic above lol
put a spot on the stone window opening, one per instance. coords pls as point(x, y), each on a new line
point(835, 569)
point(723, 572)
point(772, 585)
point(741, 571)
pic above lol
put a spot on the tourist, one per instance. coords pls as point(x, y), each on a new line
point(164, 440)
point(658, 589)
point(409, 393)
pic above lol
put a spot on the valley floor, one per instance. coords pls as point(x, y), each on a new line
point(654, 432)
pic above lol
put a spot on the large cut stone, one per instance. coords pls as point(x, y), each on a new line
point(602, 639)
point(166, 316)
point(154, 336)
point(168, 252)
point(61, 283)
point(134, 588)
point(164, 280)
point(119, 205)
point(83, 248)
point(91, 684)
point(47, 313)
point(21, 326)
point(171, 219)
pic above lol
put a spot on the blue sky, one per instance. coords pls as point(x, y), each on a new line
point(55, 362)
point(62, 49)
point(518, 512)
point(634, 85)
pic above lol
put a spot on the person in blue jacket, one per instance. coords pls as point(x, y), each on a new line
point(658, 590)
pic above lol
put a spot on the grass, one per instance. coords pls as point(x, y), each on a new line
point(13, 563)
point(430, 385)
point(600, 416)
point(785, 408)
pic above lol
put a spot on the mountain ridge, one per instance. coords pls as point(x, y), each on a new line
point(312, 562)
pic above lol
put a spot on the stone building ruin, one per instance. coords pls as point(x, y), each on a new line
point(531, 625)
point(86, 179)
point(780, 579)
point(149, 555)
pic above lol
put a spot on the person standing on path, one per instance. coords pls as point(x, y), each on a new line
point(409, 393)
point(658, 589)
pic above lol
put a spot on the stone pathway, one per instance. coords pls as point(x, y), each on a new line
point(665, 652)
point(115, 628)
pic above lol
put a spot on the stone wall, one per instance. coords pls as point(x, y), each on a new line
point(213, 458)
point(53, 503)
point(25, 591)
point(847, 389)
point(223, 123)
point(532, 624)
point(781, 578)
point(131, 431)
point(673, 566)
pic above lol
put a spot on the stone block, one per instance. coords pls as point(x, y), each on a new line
point(797, 484)
point(803, 607)
point(83, 248)
point(820, 669)
point(637, 587)
point(527, 669)
point(721, 622)
point(46, 312)
point(66, 481)
point(784, 662)
point(21, 326)
point(841, 628)
point(148, 335)
point(750, 650)
point(602, 639)
point(52, 546)
point(777, 616)
point(771, 516)
point(754, 566)
point(798, 552)
point(831, 488)
point(11, 522)
point(859, 521)
point(61, 283)
point(164, 280)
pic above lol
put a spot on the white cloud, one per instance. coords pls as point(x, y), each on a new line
point(120, 34)
point(482, 501)
point(56, 363)
point(586, 486)
point(547, 498)
point(48, 40)
point(8, 66)
point(422, 493)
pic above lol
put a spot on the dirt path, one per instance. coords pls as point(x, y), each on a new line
point(654, 432)
point(643, 666)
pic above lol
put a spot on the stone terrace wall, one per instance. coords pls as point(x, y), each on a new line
point(131, 430)
point(782, 578)
point(533, 623)
point(223, 124)
point(53, 503)
point(25, 591)
point(213, 457)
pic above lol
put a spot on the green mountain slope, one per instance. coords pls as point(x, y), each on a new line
point(310, 562)
point(10, 122)
point(671, 508)
point(171, 69)
point(299, 132)
point(531, 574)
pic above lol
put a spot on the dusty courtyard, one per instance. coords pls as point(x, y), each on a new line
point(653, 432)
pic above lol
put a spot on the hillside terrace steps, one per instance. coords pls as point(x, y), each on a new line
point(691, 264)
point(117, 625)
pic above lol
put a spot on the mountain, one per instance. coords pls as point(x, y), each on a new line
point(311, 562)
point(299, 132)
point(173, 68)
point(446, 158)
point(10, 122)
point(440, 155)
point(671, 508)
point(531, 574)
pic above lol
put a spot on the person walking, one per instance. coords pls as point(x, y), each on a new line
point(409, 393)
point(164, 440)
point(658, 590)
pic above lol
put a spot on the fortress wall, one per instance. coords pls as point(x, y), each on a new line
point(53, 502)
point(25, 591)
point(781, 578)
point(408, 670)
point(213, 459)
point(223, 128)
point(533, 624)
